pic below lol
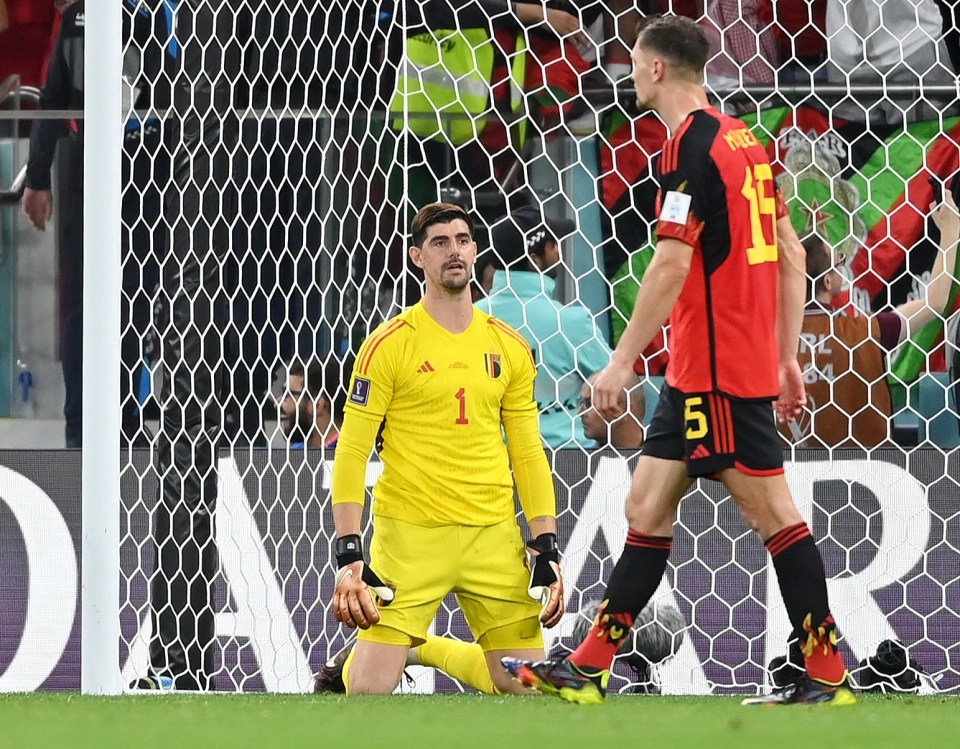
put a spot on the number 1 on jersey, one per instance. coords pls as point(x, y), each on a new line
point(462, 398)
point(758, 190)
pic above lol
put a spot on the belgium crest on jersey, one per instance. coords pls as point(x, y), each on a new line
point(492, 364)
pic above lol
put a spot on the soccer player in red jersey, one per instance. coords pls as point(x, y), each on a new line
point(729, 274)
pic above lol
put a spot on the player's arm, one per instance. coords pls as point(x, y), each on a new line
point(792, 289)
point(659, 291)
point(371, 391)
point(353, 603)
point(531, 472)
point(690, 187)
point(918, 312)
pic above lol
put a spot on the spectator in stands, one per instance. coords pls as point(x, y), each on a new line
point(843, 358)
point(610, 24)
point(543, 62)
point(27, 30)
point(743, 43)
point(479, 163)
point(623, 433)
point(802, 40)
point(758, 42)
point(63, 89)
point(565, 340)
point(887, 43)
point(311, 410)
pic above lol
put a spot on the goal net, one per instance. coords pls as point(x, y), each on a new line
point(274, 154)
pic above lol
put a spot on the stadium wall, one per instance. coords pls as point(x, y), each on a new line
point(887, 526)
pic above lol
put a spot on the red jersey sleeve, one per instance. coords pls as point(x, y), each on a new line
point(686, 191)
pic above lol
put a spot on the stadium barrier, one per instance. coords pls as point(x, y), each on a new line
point(887, 526)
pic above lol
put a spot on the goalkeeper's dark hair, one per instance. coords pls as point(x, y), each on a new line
point(678, 40)
point(438, 213)
point(328, 379)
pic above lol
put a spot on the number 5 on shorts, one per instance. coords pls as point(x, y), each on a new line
point(695, 419)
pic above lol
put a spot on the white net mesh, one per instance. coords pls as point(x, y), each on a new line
point(271, 169)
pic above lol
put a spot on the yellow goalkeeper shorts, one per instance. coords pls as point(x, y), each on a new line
point(485, 567)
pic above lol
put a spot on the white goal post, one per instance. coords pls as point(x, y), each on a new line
point(100, 554)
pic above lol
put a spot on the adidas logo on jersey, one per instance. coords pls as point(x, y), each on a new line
point(425, 367)
point(699, 453)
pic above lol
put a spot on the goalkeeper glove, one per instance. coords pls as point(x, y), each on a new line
point(350, 550)
point(352, 602)
point(546, 580)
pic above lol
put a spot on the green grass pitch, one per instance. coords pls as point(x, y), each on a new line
point(71, 721)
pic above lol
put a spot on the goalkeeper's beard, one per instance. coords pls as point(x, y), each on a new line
point(454, 286)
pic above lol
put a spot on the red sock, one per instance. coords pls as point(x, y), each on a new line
point(608, 633)
point(803, 585)
point(820, 653)
point(632, 583)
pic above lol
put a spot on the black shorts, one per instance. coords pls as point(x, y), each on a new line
point(711, 432)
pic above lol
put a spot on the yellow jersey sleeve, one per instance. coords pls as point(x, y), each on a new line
point(371, 391)
point(356, 440)
point(521, 424)
point(374, 374)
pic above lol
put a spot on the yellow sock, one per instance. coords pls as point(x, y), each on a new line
point(346, 670)
point(464, 661)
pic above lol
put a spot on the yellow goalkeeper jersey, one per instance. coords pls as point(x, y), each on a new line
point(443, 400)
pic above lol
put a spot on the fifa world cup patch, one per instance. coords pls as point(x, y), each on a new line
point(361, 391)
point(675, 208)
point(492, 364)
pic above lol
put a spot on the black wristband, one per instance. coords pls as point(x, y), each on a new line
point(349, 550)
point(546, 547)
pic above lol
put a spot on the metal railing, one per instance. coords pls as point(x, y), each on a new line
point(823, 93)
point(11, 92)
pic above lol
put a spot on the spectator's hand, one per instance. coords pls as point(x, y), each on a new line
point(566, 25)
point(38, 207)
point(793, 394)
point(609, 386)
point(946, 215)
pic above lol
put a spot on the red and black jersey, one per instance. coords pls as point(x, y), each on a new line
point(717, 194)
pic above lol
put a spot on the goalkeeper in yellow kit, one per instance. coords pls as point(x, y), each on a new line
point(441, 384)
